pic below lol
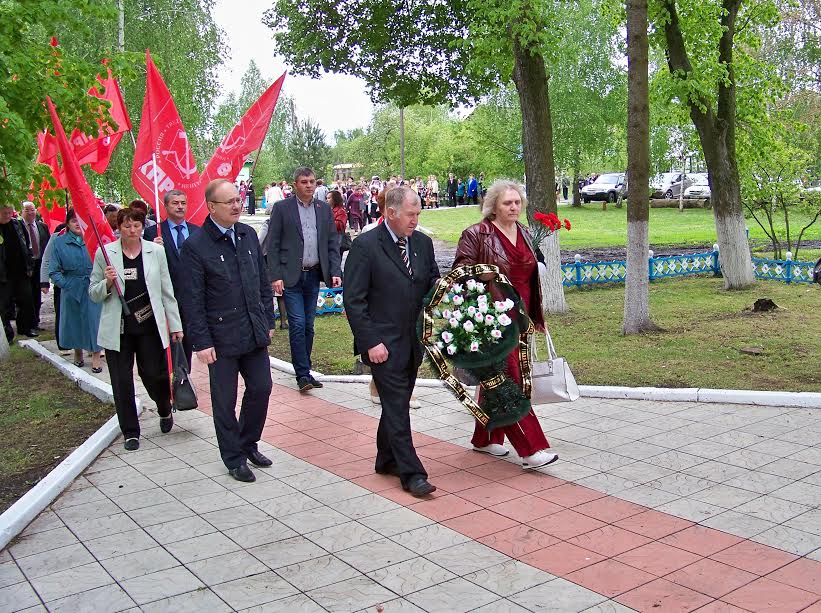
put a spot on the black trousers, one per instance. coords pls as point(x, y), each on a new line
point(17, 290)
point(237, 438)
point(56, 293)
point(36, 295)
point(394, 441)
point(153, 370)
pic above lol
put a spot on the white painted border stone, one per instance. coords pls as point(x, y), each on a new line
point(806, 400)
point(22, 512)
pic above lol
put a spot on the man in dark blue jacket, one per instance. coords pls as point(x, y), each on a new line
point(171, 234)
point(227, 298)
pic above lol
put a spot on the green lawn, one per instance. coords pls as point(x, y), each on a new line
point(593, 227)
point(705, 327)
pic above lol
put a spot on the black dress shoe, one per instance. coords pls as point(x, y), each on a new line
point(316, 383)
point(304, 384)
point(283, 326)
point(132, 444)
point(31, 334)
point(257, 459)
point(166, 423)
point(242, 473)
point(419, 487)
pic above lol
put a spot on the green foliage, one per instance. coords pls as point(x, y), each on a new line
point(307, 147)
point(31, 69)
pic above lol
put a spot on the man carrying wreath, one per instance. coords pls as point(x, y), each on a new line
point(388, 272)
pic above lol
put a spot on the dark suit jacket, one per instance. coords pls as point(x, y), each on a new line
point(285, 242)
point(43, 236)
point(169, 243)
point(382, 300)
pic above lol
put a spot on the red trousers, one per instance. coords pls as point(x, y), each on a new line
point(526, 436)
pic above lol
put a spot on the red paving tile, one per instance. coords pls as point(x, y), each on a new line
point(347, 439)
point(803, 573)
point(712, 578)
point(308, 423)
point(312, 448)
point(467, 459)
point(479, 524)
point(657, 558)
point(518, 541)
point(332, 433)
point(436, 469)
point(765, 595)
point(441, 508)
point(377, 483)
point(653, 524)
point(335, 457)
point(398, 495)
point(718, 606)
point(457, 480)
point(351, 470)
point(293, 438)
point(609, 540)
point(562, 558)
point(436, 450)
point(570, 495)
point(526, 508)
point(609, 509)
point(610, 578)
point(490, 494)
point(754, 557)
point(663, 596)
point(566, 524)
point(815, 608)
point(701, 540)
point(497, 470)
point(533, 481)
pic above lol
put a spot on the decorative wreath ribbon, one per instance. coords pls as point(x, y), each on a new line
point(438, 293)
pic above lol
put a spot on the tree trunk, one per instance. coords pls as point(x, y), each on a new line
point(4, 342)
point(637, 285)
point(530, 77)
point(577, 196)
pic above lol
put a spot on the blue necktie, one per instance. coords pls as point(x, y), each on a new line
point(230, 234)
point(180, 239)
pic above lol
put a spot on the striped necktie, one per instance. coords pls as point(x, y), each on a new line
point(403, 249)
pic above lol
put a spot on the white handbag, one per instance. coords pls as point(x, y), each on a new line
point(552, 379)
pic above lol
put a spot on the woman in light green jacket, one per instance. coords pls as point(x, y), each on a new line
point(141, 270)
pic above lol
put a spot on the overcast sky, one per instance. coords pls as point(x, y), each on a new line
point(335, 102)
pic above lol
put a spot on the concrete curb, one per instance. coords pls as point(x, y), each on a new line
point(22, 512)
point(806, 400)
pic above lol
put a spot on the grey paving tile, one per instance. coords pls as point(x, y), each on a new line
point(467, 557)
point(182, 474)
point(10, 573)
point(161, 584)
point(411, 575)
point(123, 473)
point(759, 482)
point(148, 561)
point(260, 533)
point(30, 544)
point(105, 598)
point(315, 519)
point(365, 506)
point(310, 479)
point(810, 455)
point(736, 438)
point(778, 448)
point(255, 590)
point(715, 470)
point(609, 606)
point(91, 528)
point(88, 510)
point(75, 497)
point(317, 572)
point(375, 554)
point(287, 552)
point(343, 536)
point(336, 492)
point(738, 524)
point(428, 539)
point(694, 510)
point(288, 505)
point(675, 460)
point(226, 567)
point(501, 606)
point(509, 577)
point(400, 605)
point(71, 581)
point(183, 491)
point(146, 498)
point(454, 596)
point(47, 520)
point(126, 487)
point(789, 539)
point(808, 522)
point(18, 597)
point(117, 544)
point(160, 462)
point(299, 603)
point(160, 513)
point(351, 595)
point(772, 509)
point(54, 560)
point(707, 449)
point(803, 493)
point(607, 483)
point(647, 496)
point(180, 530)
point(725, 496)
point(681, 484)
point(641, 472)
point(790, 469)
point(569, 471)
point(190, 602)
point(201, 547)
point(558, 596)
point(640, 450)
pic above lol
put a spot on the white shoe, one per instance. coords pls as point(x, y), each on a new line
point(493, 449)
point(414, 403)
point(539, 459)
point(375, 399)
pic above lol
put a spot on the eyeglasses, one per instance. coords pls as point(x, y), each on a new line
point(232, 201)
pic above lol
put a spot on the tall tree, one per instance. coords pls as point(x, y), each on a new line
point(637, 291)
point(703, 58)
point(307, 147)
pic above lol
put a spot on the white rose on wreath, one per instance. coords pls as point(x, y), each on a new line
point(457, 288)
point(483, 307)
point(457, 300)
point(500, 306)
point(489, 320)
point(479, 318)
point(480, 287)
point(468, 326)
point(446, 314)
point(474, 346)
point(471, 284)
point(481, 298)
point(447, 336)
point(454, 323)
point(504, 320)
point(471, 310)
point(451, 349)
point(496, 333)
point(457, 315)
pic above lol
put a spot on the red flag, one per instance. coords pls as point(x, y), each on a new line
point(245, 137)
point(89, 214)
point(47, 154)
point(163, 158)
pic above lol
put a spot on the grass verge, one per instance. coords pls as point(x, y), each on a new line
point(705, 328)
point(43, 418)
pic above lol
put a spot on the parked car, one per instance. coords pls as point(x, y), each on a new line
point(669, 184)
point(700, 187)
point(607, 187)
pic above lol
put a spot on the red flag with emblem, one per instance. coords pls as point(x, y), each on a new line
point(47, 154)
point(97, 150)
point(245, 137)
point(85, 203)
point(163, 159)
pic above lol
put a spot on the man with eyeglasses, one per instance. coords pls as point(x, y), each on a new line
point(303, 249)
point(227, 299)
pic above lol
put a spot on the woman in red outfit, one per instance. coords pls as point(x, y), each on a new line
point(500, 240)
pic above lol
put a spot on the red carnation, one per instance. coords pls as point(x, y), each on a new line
point(567, 223)
point(53, 41)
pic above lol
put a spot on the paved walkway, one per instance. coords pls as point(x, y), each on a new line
point(653, 507)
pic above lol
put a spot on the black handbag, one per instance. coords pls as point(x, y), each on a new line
point(184, 394)
point(345, 241)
